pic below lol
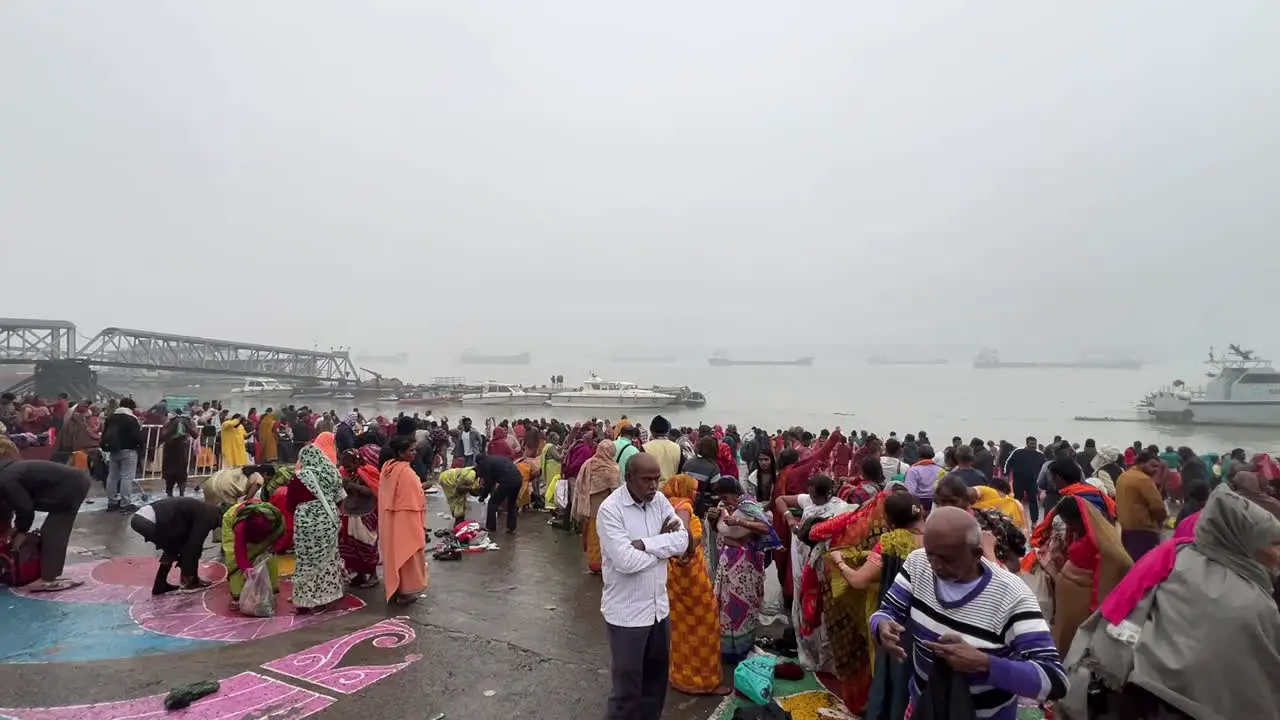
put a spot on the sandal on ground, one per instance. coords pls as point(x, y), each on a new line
point(56, 586)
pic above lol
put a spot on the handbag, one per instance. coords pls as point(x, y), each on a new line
point(20, 566)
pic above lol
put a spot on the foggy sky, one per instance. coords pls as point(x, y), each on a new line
point(355, 173)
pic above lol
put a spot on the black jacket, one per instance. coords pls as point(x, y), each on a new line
point(984, 462)
point(182, 524)
point(121, 431)
point(494, 470)
point(30, 485)
point(1194, 470)
point(1024, 466)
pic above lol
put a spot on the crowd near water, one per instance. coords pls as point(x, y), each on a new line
point(921, 578)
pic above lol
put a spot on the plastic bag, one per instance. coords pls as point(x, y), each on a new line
point(258, 599)
point(562, 493)
point(754, 678)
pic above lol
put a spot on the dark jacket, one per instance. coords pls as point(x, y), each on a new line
point(910, 452)
point(705, 472)
point(182, 524)
point(121, 431)
point(1194, 470)
point(344, 438)
point(30, 485)
point(984, 462)
point(1023, 467)
point(494, 470)
point(477, 443)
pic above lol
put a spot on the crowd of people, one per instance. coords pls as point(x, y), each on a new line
point(981, 575)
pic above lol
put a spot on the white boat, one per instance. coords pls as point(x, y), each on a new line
point(389, 399)
point(344, 396)
point(597, 393)
point(1243, 390)
point(496, 393)
point(263, 388)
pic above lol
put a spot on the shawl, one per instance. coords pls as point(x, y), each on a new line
point(1096, 497)
point(352, 420)
point(499, 446)
point(327, 444)
point(598, 474)
point(1249, 486)
point(681, 491)
point(1214, 609)
point(320, 476)
point(724, 459)
point(755, 511)
point(859, 529)
point(578, 455)
point(368, 470)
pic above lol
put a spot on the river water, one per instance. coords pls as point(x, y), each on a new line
point(944, 400)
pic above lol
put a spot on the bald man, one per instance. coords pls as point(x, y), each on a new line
point(979, 619)
point(639, 531)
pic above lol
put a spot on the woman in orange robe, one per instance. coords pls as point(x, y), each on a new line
point(695, 621)
point(402, 534)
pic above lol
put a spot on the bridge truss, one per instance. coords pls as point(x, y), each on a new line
point(124, 348)
point(24, 341)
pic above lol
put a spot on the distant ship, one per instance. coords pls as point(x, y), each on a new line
point(723, 361)
point(398, 358)
point(474, 358)
point(990, 360)
point(882, 360)
point(651, 359)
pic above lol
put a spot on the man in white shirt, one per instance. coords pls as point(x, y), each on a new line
point(638, 532)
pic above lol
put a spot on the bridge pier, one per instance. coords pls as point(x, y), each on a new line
point(74, 377)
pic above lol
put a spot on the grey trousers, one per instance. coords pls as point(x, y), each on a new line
point(55, 533)
point(640, 658)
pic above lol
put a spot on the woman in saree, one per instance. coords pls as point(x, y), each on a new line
point(793, 478)
point(314, 494)
point(549, 464)
point(328, 443)
point(275, 490)
point(890, 692)
point(817, 504)
point(743, 536)
point(498, 444)
point(695, 638)
point(234, 453)
point(457, 484)
point(358, 532)
point(268, 448)
point(1084, 564)
point(402, 525)
point(598, 477)
point(846, 611)
point(250, 529)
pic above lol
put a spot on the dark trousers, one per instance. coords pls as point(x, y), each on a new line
point(502, 494)
point(640, 658)
point(1029, 495)
point(55, 533)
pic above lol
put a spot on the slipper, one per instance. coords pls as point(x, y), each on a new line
point(58, 586)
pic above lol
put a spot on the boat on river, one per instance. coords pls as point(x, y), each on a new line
point(492, 392)
point(608, 394)
point(1243, 389)
point(723, 360)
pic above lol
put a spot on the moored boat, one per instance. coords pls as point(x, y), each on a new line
point(598, 393)
point(1243, 389)
point(496, 393)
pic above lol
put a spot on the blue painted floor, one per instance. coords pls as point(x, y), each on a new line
point(44, 631)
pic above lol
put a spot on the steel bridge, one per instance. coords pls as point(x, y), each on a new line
point(38, 342)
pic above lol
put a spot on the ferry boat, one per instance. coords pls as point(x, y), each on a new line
point(597, 393)
point(722, 360)
point(263, 388)
point(492, 392)
point(1243, 389)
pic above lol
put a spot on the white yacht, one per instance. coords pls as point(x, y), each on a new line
point(597, 393)
point(263, 388)
point(497, 393)
point(1242, 390)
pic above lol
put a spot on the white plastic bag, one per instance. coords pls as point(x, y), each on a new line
point(257, 599)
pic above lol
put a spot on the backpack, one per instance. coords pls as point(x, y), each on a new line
point(20, 567)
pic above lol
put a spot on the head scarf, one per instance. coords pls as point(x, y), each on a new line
point(327, 444)
point(724, 459)
point(1106, 454)
point(681, 490)
point(1232, 530)
point(499, 446)
point(598, 474)
point(320, 476)
point(1250, 486)
point(351, 420)
point(370, 454)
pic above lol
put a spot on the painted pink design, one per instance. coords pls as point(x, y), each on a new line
point(200, 616)
point(245, 695)
point(319, 664)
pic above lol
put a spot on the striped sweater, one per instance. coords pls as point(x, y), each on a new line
point(1000, 615)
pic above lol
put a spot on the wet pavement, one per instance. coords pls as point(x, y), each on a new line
point(514, 633)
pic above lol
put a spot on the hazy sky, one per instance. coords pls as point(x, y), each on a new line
point(498, 172)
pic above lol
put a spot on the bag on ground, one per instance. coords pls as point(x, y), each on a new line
point(257, 599)
point(20, 566)
point(754, 678)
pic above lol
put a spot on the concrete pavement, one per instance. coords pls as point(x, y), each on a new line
point(521, 624)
